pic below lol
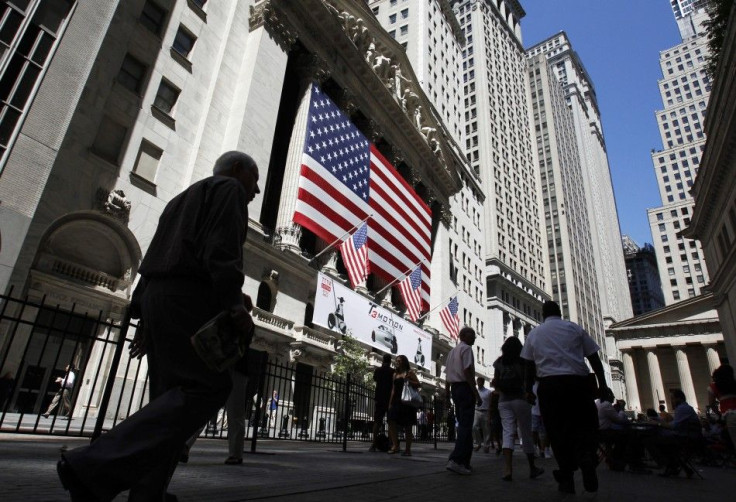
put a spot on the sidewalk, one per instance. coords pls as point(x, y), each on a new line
point(297, 471)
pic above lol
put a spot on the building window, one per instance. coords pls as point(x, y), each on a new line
point(146, 165)
point(199, 3)
point(25, 48)
point(109, 140)
point(131, 74)
point(166, 97)
point(184, 41)
point(404, 29)
point(404, 13)
point(153, 17)
point(392, 18)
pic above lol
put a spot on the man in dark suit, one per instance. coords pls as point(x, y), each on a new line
point(192, 271)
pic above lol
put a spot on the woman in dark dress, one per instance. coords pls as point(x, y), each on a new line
point(399, 414)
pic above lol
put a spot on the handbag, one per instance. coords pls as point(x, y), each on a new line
point(219, 344)
point(411, 396)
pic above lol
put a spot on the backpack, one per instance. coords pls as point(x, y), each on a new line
point(510, 378)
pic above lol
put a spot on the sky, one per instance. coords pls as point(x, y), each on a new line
point(619, 42)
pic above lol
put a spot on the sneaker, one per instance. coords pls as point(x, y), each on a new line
point(457, 468)
point(565, 482)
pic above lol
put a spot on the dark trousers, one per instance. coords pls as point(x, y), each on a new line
point(464, 400)
point(571, 419)
point(141, 452)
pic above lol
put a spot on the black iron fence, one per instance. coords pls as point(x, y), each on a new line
point(67, 372)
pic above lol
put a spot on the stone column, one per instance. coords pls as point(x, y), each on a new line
point(686, 379)
point(288, 231)
point(522, 331)
point(655, 377)
point(632, 387)
point(714, 360)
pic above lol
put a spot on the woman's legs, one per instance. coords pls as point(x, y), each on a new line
point(409, 437)
point(393, 435)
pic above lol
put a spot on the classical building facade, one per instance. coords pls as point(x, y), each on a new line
point(434, 41)
point(643, 274)
point(134, 100)
point(714, 216)
point(676, 347)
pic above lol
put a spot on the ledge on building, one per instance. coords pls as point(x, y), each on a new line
point(181, 59)
point(144, 184)
point(197, 10)
point(164, 117)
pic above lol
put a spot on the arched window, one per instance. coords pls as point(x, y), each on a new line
point(265, 297)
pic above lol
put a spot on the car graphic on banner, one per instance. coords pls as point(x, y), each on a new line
point(340, 309)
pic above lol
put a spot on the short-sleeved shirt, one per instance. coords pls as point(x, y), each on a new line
point(559, 347)
point(458, 360)
point(68, 381)
point(384, 378)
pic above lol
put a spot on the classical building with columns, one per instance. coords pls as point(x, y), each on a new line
point(135, 101)
point(677, 346)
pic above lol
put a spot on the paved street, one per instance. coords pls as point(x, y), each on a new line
point(286, 470)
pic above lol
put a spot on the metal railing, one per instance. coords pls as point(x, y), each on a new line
point(39, 340)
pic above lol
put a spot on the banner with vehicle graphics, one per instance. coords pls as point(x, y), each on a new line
point(340, 309)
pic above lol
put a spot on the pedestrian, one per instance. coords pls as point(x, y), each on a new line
point(496, 427)
point(400, 414)
point(539, 433)
point(273, 407)
point(482, 418)
point(460, 372)
point(557, 349)
point(514, 406)
point(384, 378)
point(193, 270)
point(63, 395)
point(722, 390)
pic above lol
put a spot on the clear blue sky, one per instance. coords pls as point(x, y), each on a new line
point(619, 43)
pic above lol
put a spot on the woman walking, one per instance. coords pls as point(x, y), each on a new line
point(513, 406)
point(400, 414)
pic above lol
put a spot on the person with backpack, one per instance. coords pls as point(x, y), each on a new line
point(514, 406)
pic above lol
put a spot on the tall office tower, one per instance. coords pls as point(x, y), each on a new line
point(689, 15)
point(684, 88)
point(644, 283)
point(433, 40)
point(499, 147)
point(601, 205)
point(570, 250)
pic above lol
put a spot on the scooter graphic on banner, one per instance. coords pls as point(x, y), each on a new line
point(337, 318)
point(419, 356)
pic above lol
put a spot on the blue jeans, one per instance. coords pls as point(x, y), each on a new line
point(464, 400)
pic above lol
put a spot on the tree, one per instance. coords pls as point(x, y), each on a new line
point(715, 28)
point(351, 360)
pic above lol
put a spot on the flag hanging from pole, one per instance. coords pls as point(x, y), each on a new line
point(344, 179)
point(355, 255)
point(410, 289)
point(450, 318)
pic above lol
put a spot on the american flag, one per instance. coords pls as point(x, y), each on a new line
point(355, 255)
point(450, 318)
point(344, 178)
point(410, 289)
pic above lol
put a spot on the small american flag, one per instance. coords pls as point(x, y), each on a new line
point(355, 255)
point(450, 318)
point(410, 289)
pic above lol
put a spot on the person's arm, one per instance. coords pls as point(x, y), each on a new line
point(413, 379)
point(391, 399)
point(597, 365)
point(469, 373)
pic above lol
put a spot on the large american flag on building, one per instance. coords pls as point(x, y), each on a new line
point(355, 255)
point(450, 318)
point(344, 179)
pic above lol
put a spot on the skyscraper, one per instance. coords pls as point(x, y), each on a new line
point(643, 275)
point(601, 205)
point(684, 87)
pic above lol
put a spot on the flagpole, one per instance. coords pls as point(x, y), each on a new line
point(436, 307)
point(402, 277)
point(339, 239)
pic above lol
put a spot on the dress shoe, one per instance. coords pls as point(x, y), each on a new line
point(590, 479)
point(565, 484)
point(233, 461)
point(71, 483)
point(45, 415)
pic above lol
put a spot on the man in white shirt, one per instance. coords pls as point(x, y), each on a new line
point(460, 385)
point(64, 394)
point(482, 420)
point(557, 350)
